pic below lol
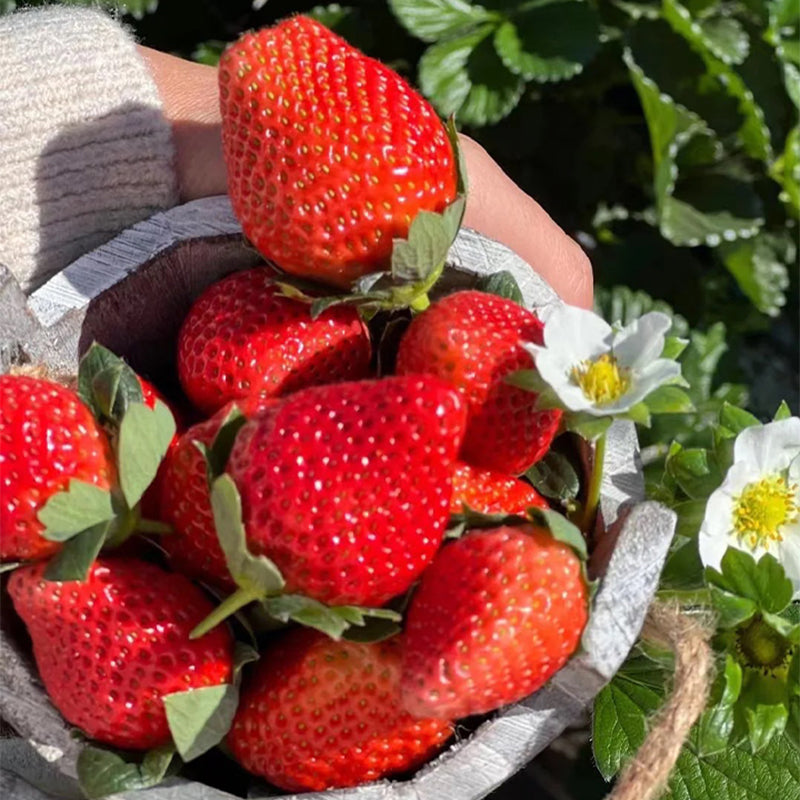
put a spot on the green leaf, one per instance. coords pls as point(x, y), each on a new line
point(253, 573)
point(560, 529)
point(760, 272)
point(621, 710)
point(764, 723)
point(330, 620)
point(555, 477)
point(669, 400)
point(731, 609)
point(431, 20)
point(783, 411)
point(673, 347)
point(144, 436)
point(763, 581)
point(217, 455)
point(586, 425)
point(694, 472)
point(465, 76)
point(715, 726)
point(551, 41)
point(73, 560)
point(502, 284)
point(736, 419)
point(102, 772)
point(209, 52)
point(429, 238)
point(620, 305)
point(199, 718)
point(77, 508)
point(374, 629)
point(639, 413)
point(736, 774)
point(107, 384)
point(725, 38)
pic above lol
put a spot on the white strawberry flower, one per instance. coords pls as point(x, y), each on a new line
point(757, 507)
point(600, 370)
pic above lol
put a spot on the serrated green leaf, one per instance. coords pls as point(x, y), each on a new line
point(726, 38)
point(763, 581)
point(761, 274)
point(144, 436)
point(736, 419)
point(73, 560)
point(554, 476)
point(502, 284)
point(731, 609)
point(550, 41)
point(103, 772)
point(764, 723)
point(107, 384)
point(431, 20)
point(330, 620)
point(200, 718)
point(715, 726)
point(694, 472)
point(561, 529)
point(669, 400)
point(253, 573)
point(465, 76)
point(217, 455)
point(77, 508)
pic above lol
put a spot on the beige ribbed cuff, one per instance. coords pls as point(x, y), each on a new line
point(84, 148)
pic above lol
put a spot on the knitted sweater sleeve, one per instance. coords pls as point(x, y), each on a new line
point(84, 148)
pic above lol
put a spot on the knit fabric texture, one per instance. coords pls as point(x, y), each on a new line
point(84, 148)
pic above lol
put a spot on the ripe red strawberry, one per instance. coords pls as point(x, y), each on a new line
point(330, 154)
point(108, 649)
point(472, 339)
point(47, 437)
point(496, 614)
point(347, 487)
point(318, 714)
point(193, 546)
point(242, 336)
point(491, 492)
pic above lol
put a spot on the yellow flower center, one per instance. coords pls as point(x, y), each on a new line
point(763, 508)
point(602, 380)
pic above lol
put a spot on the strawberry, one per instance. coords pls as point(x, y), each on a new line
point(319, 714)
point(192, 546)
point(347, 487)
point(495, 615)
point(330, 154)
point(491, 492)
point(47, 438)
point(108, 649)
point(472, 340)
point(242, 336)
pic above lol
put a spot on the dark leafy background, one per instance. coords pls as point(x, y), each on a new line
point(663, 136)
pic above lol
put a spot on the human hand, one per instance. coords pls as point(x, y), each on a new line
point(496, 206)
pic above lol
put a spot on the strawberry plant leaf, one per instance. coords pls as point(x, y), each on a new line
point(217, 455)
point(430, 20)
point(736, 419)
point(585, 425)
point(243, 654)
point(374, 629)
point(198, 719)
point(783, 411)
point(714, 728)
point(669, 400)
point(555, 477)
point(73, 560)
point(763, 582)
point(673, 347)
point(107, 384)
point(144, 436)
point(462, 178)
point(550, 41)
point(561, 529)
point(75, 509)
point(330, 620)
point(694, 470)
point(502, 284)
point(464, 76)
point(725, 38)
point(102, 772)
point(765, 722)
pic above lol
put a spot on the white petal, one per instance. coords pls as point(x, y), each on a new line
point(712, 548)
point(555, 372)
point(642, 341)
point(657, 373)
point(772, 447)
point(577, 335)
point(794, 471)
point(788, 553)
point(739, 475)
point(718, 517)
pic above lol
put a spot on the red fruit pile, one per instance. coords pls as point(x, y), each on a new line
point(308, 489)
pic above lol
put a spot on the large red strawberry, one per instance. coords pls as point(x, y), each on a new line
point(243, 336)
point(491, 492)
point(319, 714)
point(473, 340)
point(495, 615)
point(330, 154)
point(47, 438)
point(193, 546)
point(347, 487)
point(109, 648)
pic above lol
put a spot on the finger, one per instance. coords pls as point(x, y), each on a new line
point(499, 209)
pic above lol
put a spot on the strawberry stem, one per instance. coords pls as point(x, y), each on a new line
point(230, 605)
point(595, 481)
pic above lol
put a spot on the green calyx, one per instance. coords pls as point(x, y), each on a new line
point(759, 646)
